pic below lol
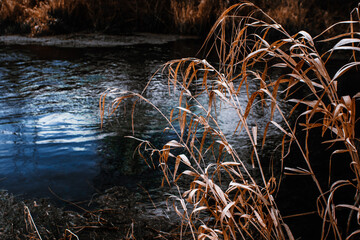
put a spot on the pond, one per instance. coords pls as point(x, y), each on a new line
point(50, 134)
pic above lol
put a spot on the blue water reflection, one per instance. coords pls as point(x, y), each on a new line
point(50, 132)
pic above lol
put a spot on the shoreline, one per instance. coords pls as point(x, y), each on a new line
point(116, 213)
point(92, 40)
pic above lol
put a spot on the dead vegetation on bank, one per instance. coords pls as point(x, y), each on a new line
point(221, 197)
point(114, 214)
point(39, 17)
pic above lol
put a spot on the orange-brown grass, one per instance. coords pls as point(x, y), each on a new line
point(217, 195)
point(312, 15)
point(293, 12)
point(191, 14)
point(40, 16)
point(220, 198)
point(251, 52)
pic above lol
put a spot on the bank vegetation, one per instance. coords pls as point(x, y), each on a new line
point(44, 17)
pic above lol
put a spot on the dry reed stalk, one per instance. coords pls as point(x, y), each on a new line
point(71, 235)
point(236, 205)
point(30, 222)
point(251, 47)
point(221, 198)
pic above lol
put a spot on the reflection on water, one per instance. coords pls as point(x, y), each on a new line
point(50, 132)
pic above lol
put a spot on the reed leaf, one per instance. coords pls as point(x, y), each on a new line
point(227, 201)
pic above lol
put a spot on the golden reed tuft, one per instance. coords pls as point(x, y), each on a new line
point(218, 195)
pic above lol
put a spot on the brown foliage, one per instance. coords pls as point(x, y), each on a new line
point(221, 198)
point(59, 16)
point(183, 16)
point(196, 14)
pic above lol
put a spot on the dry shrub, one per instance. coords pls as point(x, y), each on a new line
point(313, 16)
point(291, 12)
point(12, 11)
point(61, 16)
point(195, 15)
point(29, 16)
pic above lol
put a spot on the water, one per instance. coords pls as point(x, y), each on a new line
point(50, 135)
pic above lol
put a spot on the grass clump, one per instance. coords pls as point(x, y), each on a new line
point(218, 195)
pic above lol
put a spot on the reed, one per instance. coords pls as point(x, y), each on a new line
point(217, 193)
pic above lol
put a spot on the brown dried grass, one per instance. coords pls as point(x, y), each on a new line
point(222, 199)
point(250, 49)
point(40, 16)
point(184, 16)
point(190, 14)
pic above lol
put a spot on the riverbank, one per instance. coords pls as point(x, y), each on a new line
point(116, 213)
point(64, 146)
point(86, 40)
point(52, 17)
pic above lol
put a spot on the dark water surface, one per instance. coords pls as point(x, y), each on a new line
point(50, 132)
point(50, 135)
